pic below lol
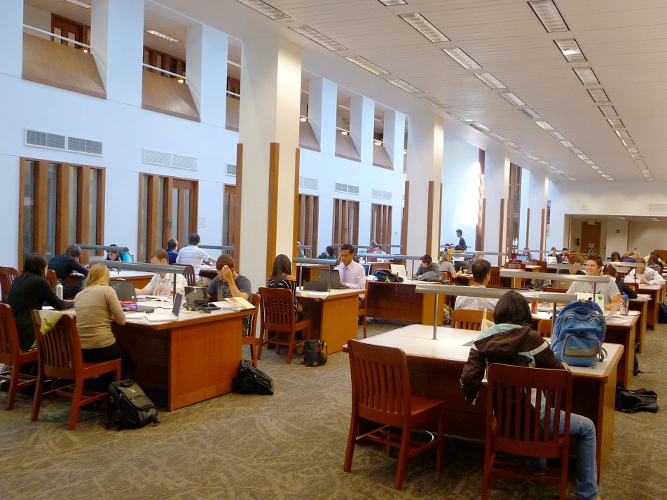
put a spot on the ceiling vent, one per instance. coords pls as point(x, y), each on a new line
point(60, 142)
point(163, 159)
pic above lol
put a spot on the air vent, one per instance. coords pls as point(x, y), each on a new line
point(163, 159)
point(308, 182)
point(231, 170)
point(62, 142)
point(344, 188)
point(657, 207)
point(379, 193)
point(84, 146)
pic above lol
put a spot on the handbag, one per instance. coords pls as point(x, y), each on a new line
point(315, 352)
point(251, 380)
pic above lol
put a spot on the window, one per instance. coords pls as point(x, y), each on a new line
point(381, 224)
point(345, 222)
point(61, 204)
point(164, 61)
point(309, 208)
point(513, 209)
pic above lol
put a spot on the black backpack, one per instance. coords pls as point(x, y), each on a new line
point(387, 276)
point(315, 352)
point(128, 407)
point(251, 380)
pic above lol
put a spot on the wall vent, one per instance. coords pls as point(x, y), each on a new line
point(231, 170)
point(379, 193)
point(657, 207)
point(49, 140)
point(163, 159)
point(345, 188)
point(308, 182)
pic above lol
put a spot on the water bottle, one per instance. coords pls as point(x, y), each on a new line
point(59, 289)
point(624, 304)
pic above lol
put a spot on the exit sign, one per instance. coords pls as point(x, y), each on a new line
point(584, 206)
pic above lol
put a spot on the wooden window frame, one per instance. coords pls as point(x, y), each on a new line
point(341, 214)
point(309, 208)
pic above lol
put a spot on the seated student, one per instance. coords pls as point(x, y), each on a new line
point(610, 270)
point(162, 283)
point(609, 289)
point(427, 265)
point(228, 283)
point(644, 275)
point(654, 262)
point(67, 263)
point(575, 260)
point(194, 256)
point(352, 274)
point(328, 253)
point(96, 307)
point(615, 257)
point(172, 250)
point(462, 243)
point(30, 290)
point(118, 257)
point(446, 264)
point(281, 277)
point(481, 274)
point(511, 341)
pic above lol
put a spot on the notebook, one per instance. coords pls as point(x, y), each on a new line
point(164, 316)
point(399, 269)
point(128, 297)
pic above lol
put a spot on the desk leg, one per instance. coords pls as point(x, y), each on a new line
point(339, 321)
point(428, 303)
point(625, 337)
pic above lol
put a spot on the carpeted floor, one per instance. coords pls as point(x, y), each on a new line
point(290, 445)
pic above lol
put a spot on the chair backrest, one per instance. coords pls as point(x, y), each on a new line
point(515, 395)
point(544, 328)
point(634, 286)
point(7, 276)
point(52, 278)
point(59, 349)
point(494, 281)
point(468, 319)
point(447, 276)
point(380, 379)
point(9, 336)
point(277, 308)
point(256, 300)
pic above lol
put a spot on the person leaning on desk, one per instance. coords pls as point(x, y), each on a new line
point(644, 275)
point(609, 290)
point(352, 274)
point(228, 283)
point(162, 283)
point(481, 274)
point(65, 264)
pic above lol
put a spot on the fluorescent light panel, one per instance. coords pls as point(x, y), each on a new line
point(615, 123)
point(545, 125)
point(80, 4)
point(479, 127)
point(318, 37)
point(435, 102)
point(496, 136)
point(462, 58)
point(391, 3)
point(264, 8)
point(424, 27)
point(558, 135)
point(628, 143)
point(530, 113)
point(549, 15)
point(491, 81)
point(512, 98)
point(162, 35)
point(367, 65)
point(598, 95)
point(586, 75)
point(402, 84)
point(461, 116)
point(567, 144)
point(570, 50)
point(608, 110)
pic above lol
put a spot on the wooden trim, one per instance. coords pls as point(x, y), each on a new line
point(272, 216)
point(437, 249)
point(168, 231)
point(141, 252)
point(543, 241)
point(295, 222)
point(194, 208)
point(482, 225)
point(23, 174)
point(501, 214)
point(404, 221)
point(40, 213)
point(101, 204)
point(238, 193)
point(82, 212)
point(527, 227)
point(151, 212)
point(62, 209)
point(429, 216)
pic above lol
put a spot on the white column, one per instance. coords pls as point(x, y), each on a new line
point(206, 54)
point(362, 110)
point(394, 137)
point(496, 186)
point(270, 100)
point(322, 100)
point(117, 40)
point(11, 37)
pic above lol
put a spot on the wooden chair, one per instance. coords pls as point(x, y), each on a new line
point(468, 319)
point(251, 338)
point(60, 357)
point(381, 393)
point(447, 276)
point(190, 276)
point(378, 265)
point(634, 286)
point(544, 328)
point(7, 276)
point(52, 278)
point(513, 426)
point(11, 356)
point(361, 312)
point(494, 282)
point(278, 316)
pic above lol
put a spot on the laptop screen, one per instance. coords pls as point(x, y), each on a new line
point(178, 301)
point(124, 290)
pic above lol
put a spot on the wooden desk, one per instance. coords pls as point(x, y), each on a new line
point(640, 304)
point(656, 292)
point(436, 367)
point(208, 272)
point(333, 315)
point(139, 278)
point(194, 358)
point(400, 301)
point(463, 280)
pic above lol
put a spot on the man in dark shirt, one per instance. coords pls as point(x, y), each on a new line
point(172, 250)
point(67, 263)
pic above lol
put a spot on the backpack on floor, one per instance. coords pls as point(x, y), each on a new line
point(251, 380)
point(315, 352)
point(128, 407)
point(579, 333)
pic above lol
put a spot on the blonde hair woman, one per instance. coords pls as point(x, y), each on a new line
point(446, 264)
point(96, 307)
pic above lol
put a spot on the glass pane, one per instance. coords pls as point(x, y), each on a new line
point(160, 212)
point(186, 212)
point(141, 251)
point(51, 210)
point(73, 206)
point(28, 209)
point(92, 208)
point(174, 215)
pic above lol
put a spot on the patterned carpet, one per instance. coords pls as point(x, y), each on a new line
point(290, 445)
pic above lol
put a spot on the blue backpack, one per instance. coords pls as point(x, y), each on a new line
point(579, 333)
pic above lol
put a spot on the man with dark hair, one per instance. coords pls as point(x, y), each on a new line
point(228, 283)
point(644, 275)
point(172, 250)
point(609, 290)
point(162, 283)
point(481, 274)
point(462, 243)
point(352, 274)
point(65, 264)
point(194, 256)
point(427, 265)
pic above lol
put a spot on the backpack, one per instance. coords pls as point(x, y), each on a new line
point(632, 401)
point(251, 380)
point(579, 333)
point(315, 352)
point(431, 276)
point(128, 407)
point(387, 276)
point(662, 312)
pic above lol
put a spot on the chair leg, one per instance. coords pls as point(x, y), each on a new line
point(351, 442)
point(37, 400)
point(365, 329)
point(13, 386)
point(402, 458)
point(253, 352)
point(76, 402)
point(290, 347)
point(260, 344)
point(441, 445)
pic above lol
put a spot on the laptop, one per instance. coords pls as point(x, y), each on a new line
point(399, 269)
point(128, 297)
point(196, 298)
point(173, 315)
point(599, 298)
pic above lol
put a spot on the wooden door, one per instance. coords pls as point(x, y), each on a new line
point(346, 222)
point(228, 215)
point(68, 29)
point(184, 209)
point(590, 236)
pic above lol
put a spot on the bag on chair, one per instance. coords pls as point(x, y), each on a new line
point(128, 407)
point(251, 380)
point(387, 276)
point(315, 353)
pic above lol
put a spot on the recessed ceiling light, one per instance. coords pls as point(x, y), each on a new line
point(570, 50)
point(367, 65)
point(479, 127)
point(598, 95)
point(533, 157)
point(544, 125)
point(424, 27)
point(558, 135)
point(586, 75)
point(264, 8)
point(162, 35)
point(636, 156)
point(632, 150)
point(497, 137)
point(318, 37)
point(511, 144)
point(491, 81)
point(615, 123)
point(402, 84)
point(576, 151)
point(542, 162)
point(567, 144)
point(589, 161)
point(623, 134)
point(628, 143)
point(435, 102)
point(462, 58)
point(461, 116)
point(530, 113)
point(80, 4)
point(512, 98)
point(583, 156)
point(391, 3)
point(549, 15)
point(608, 110)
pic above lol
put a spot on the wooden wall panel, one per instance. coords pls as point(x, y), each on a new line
point(272, 216)
point(236, 253)
point(295, 221)
point(404, 220)
point(62, 210)
point(82, 211)
point(429, 216)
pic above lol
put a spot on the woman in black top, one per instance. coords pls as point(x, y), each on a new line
point(29, 291)
point(623, 287)
point(281, 278)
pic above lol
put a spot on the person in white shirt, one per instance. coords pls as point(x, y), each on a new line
point(194, 256)
point(609, 290)
point(644, 275)
point(481, 274)
point(352, 274)
point(162, 283)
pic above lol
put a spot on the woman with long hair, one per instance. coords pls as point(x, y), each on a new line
point(281, 278)
point(96, 307)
